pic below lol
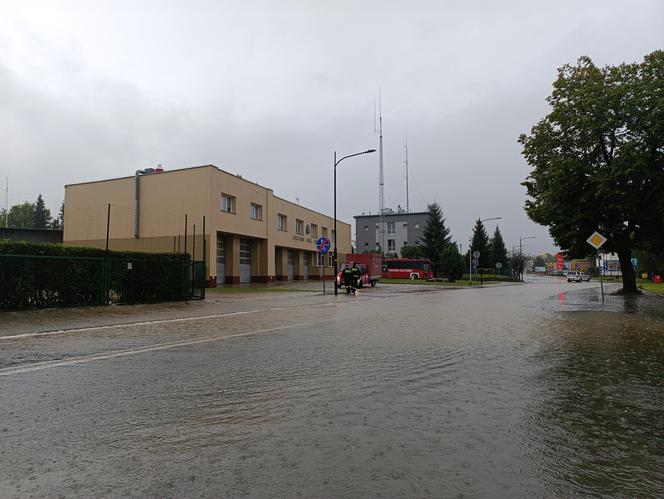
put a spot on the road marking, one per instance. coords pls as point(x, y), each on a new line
point(8, 371)
point(149, 323)
point(113, 326)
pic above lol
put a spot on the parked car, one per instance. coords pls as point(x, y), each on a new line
point(577, 276)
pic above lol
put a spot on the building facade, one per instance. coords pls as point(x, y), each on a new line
point(400, 229)
point(246, 233)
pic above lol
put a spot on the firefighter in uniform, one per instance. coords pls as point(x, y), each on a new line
point(348, 278)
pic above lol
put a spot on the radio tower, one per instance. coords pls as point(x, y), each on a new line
point(381, 181)
point(405, 162)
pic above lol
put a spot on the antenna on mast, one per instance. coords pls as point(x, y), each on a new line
point(405, 162)
point(381, 180)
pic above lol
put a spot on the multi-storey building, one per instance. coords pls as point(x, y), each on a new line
point(400, 229)
point(250, 234)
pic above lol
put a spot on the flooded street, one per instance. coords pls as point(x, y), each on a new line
point(512, 390)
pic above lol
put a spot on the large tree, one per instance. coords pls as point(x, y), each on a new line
point(22, 216)
point(435, 237)
point(42, 215)
point(498, 249)
point(480, 242)
point(598, 159)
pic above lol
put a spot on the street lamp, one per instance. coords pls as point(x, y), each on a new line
point(336, 162)
point(470, 251)
point(521, 240)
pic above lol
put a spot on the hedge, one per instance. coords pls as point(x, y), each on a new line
point(53, 275)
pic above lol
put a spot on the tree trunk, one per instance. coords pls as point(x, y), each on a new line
point(628, 274)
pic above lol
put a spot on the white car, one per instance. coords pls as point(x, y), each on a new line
point(577, 277)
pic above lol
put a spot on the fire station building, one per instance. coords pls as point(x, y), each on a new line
point(251, 235)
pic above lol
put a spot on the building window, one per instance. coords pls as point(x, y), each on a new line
point(321, 260)
point(366, 244)
point(366, 228)
point(314, 231)
point(282, 222)
point(228, 203)
point(256, 211)
point(391, 246)
point(299, 227)
point(324, 231)
point(405, 243)
point(390, 227)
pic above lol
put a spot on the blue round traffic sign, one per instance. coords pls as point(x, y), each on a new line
point(323, 245)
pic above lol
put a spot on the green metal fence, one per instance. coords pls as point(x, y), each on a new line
point(40, 281)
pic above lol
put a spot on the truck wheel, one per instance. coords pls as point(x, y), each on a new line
point(373, 284)
point(360, 284)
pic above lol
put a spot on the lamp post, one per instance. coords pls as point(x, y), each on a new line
point(470, 251)
point(336, 162)
point(521, 240)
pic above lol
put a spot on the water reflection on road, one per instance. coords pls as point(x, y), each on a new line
point(539, 389)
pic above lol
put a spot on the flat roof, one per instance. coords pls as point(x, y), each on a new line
point(393, 214)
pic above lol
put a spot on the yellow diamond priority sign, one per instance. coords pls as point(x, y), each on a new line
point(596, 240)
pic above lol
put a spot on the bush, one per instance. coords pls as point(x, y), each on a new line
point(53, 275)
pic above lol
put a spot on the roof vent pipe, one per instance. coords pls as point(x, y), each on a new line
point(137, 215)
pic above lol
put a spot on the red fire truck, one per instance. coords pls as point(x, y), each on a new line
point(369, 265)
point(407, 268)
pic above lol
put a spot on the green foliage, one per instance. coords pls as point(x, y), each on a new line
point(480, 242)
point(598, 159)
point(435, 237)
point(42, 215)
point(22, 216)
point(411, 252)
point(59, 221)
point(452, 263)
point(52, 275)
point(498, 249)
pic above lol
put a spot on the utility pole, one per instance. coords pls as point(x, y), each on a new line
point(381, 178)
point(7, 204)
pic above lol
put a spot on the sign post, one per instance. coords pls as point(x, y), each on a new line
point(597, 240)
point(474, 261)
point(323, 246)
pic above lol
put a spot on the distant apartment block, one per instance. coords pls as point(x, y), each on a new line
point(400, 228)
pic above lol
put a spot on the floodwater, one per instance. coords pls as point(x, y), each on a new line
point(527, 390)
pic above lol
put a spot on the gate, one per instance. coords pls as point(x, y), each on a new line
point(197, 289)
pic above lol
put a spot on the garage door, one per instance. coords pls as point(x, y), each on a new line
point(245, 260)
point(221, 259)
point(290, 265)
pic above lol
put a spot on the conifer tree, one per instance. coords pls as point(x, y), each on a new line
point(436, 237)
point(480, 242)
point(42, 215)
point(498, 249)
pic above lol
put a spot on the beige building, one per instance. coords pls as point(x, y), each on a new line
point(250, 234)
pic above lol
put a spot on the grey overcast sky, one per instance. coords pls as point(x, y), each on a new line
point(96, 89)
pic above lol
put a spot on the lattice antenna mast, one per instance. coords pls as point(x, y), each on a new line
point(381, 179)
point(7, 203)
point(405, 163)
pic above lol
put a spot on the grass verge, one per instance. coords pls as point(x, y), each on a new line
point(255, 290)
point(651, 286)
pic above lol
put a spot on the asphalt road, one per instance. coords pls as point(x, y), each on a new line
point(527, 389)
